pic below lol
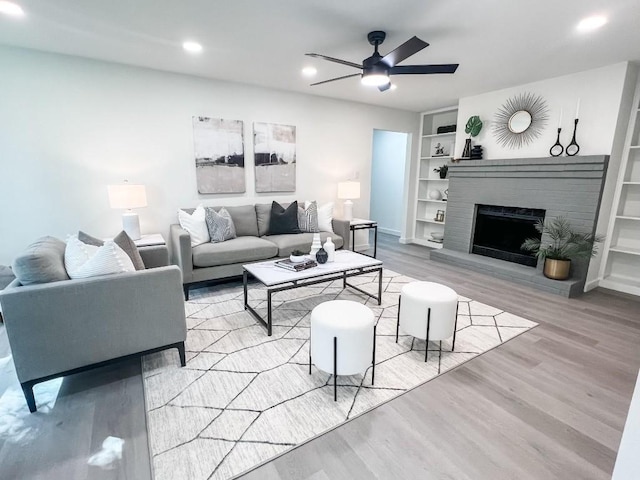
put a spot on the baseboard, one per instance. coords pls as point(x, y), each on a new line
point(395, 233)
point(591, 285)
point(405, 240)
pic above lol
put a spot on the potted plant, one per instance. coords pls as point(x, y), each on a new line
point(443, 170)
point(566, 245)
point(473, 127)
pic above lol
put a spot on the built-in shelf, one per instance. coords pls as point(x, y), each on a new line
point(620, 267)
point(429, 220)
point(436, 135)
point(627, 250)
point(427, 181)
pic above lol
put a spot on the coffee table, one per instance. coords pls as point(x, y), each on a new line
point(277, 279)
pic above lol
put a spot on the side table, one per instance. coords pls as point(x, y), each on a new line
point(153, 250)
point(361, 224)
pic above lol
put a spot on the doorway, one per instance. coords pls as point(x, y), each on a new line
point(389, 159)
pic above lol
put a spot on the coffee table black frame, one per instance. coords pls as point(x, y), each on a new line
point(305, 282)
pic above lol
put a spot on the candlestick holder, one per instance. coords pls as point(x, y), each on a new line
point(557, 148)
point(573, 148)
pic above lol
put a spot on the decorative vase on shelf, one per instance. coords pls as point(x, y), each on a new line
point(466, 153)
point(435, 195)
point(322, 256)
point(330, 248)
point(315, 245)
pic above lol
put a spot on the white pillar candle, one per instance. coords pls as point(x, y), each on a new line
point(578, 108)
point(560, 120)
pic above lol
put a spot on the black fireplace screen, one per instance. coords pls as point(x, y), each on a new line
point(499, 232)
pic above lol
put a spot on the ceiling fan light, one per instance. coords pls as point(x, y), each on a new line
point(375, 79)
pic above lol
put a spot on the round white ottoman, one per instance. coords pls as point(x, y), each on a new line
point(342, 339)
point(428, 311)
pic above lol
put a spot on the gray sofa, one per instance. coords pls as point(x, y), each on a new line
point(68, 326)
point(213, 261)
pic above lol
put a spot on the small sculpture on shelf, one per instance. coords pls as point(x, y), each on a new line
point(439, 216)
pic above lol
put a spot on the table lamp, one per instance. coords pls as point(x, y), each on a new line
point(348, 191)
point(127, 196)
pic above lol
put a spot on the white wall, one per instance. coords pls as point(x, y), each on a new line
point(387, 180)
point(71, 126)
point(599, 92)
point(605, 95)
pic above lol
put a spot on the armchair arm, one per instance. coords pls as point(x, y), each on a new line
point(341, 227)
point(180, 248)
point(60, 326)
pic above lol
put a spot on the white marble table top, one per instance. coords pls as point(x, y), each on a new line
point(270, 274)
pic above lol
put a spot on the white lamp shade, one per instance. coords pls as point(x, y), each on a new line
point(348, 190)
point(127, 196)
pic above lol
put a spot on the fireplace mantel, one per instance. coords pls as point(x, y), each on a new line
point(567, 186)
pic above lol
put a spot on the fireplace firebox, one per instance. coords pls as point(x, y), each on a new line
point(499, 232)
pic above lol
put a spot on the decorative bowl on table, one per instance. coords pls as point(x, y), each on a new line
point(297, 256)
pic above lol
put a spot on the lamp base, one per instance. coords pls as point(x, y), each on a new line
point(131, 225)
point(347, 212)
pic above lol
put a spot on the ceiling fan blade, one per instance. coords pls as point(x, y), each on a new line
point(385, 87)
point(423, 69)
point(337, 78)
point(404, 51)
point(334, 60)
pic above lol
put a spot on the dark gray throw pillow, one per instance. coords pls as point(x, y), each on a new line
point(123, 241)
point(283, 220)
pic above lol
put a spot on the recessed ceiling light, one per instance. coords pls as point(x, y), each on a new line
point(10, 8)
point(591, 23)
point(192, 47)
point(393, 86)
point(309, 71)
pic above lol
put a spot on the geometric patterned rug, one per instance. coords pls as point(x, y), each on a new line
point(244, 397)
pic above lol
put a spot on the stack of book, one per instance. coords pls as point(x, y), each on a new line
point(296, 267)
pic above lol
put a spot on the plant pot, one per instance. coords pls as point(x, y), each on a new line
point(443, 174)
point(556, 269)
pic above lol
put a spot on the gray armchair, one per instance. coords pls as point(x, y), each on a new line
point(61, 328)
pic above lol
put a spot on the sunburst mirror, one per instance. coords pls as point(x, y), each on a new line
point(520, 120)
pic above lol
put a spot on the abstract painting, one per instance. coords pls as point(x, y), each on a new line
point(219, 152)
point(275, 157)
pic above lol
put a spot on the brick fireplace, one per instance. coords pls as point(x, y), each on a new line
point(568, 186)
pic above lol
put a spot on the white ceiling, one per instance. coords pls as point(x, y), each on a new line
point(498, 43)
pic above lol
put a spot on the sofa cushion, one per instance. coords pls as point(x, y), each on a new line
point(220, 225)
point(244, 219)
point(263, 213)
point(42, 262)
point(300, 241)
point(283, 220)
point(194, 222)
point(237, 250)
point(123, 240)
point(84, 261)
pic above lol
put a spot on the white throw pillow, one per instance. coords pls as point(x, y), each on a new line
point(196, 225)
point(325, 216)
point(84, 261)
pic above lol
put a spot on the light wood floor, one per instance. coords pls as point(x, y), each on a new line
point(549, 404)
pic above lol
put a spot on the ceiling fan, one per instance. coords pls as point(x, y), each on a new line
point(376, 69)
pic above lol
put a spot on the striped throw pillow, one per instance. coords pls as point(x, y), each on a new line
point(308, 218)
point(220, 225)
point(84, 261)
